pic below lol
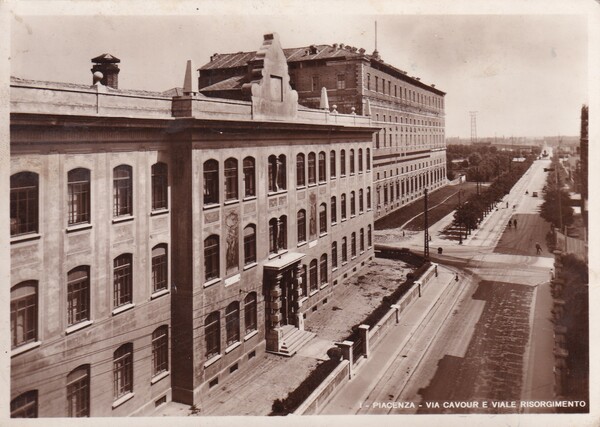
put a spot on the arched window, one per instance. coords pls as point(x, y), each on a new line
point(249, 177)
point(312, 272)
point(211, 257)
point(79, 196)
point(352, 164)
point(122, 278)
point(344, 250)
point(277, 173)
point(277, 234)
point(312, 168)
point(301, 226)
point(78, 392)
point(322, 167)
point(333, 208)
point(368, 197)
point(300, 170)
point(23, 313)
point(322, 218)
point(304, 277)
point(231, 179)
point(212, 334)
point(123, 371)
point(160, 186)
point(273, 227)
point(249, 244)
point(250, 312)
point(352, 204)
point(360, 160)
point(78, 295)
point(211, 182)
point(232, 323)
point(353, 244)
point(160, 268)
point(323, 269)
point(360, 201)
point(343, 205)
point(342, 162)
point(282, 233)
point(25, 405)
point(24, 193)
point(160, 350)
point(332, 170)
point(334, 256)
point(122, 191)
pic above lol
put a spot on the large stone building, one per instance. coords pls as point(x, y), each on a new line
point(409, 150)
point(160, 242)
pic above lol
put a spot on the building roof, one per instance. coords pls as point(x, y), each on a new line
point(106, 58)
point(241, 59)
point(232, 83)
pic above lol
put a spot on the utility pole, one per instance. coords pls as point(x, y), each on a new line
point(460, 222)
point(558, 191)
point(426, 242)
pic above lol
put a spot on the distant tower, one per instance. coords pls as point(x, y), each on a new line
point(473, 126)
point(107, 65)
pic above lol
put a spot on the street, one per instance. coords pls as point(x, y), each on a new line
point(490, 340)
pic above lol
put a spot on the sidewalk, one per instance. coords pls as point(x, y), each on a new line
point(348, 398)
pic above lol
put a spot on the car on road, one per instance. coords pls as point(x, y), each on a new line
point(534, 194)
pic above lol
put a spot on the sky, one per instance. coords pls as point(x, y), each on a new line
point(524, 74)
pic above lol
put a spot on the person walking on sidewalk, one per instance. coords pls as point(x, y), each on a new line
point(509, 223)
point(538, 248)
point(515, 223)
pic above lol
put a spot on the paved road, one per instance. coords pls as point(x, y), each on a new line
point(481, 346)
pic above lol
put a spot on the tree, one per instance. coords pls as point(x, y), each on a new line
point(551, 210)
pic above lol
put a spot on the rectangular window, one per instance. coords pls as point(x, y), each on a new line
point(122, 191)
point(79, 196)
point(250, 321)
point(160, 186)
point(231, 179)
point(23, 203)
point(249, 244)
point(341, 81)
point(315, 84)
point(25, 405)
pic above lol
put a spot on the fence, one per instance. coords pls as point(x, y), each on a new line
point(571, 245)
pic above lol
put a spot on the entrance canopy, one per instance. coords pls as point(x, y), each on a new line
point(283, 261)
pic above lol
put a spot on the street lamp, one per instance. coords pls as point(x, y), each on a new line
point(426, 226)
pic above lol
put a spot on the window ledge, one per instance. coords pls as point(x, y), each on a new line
point(250, 335)
point(78, 326)
point(249, 198)
point(323, 234)
point(284, 251)
point(23, 348)
point(122, 308)
point(159, 293)
point(344, 263)
point(123, 219)
point(343, 176)
point(122, 399)
point(312, 184)
point(231, 202)
point(301, 187)
point(161, 211)
point(313, 292)
point(353, 258)
point(211, 206)
point(333, 269)
point(212, 282)
point(275, 193)
point(159, 377)
point(322, 182)
point(345, 219)
point(352, 216)
point(78, 227)
point(324, 285)
point(333, 223)
point(25, 237)
point(302, 300)
point(332, 178)
point(249, 266)
point(212, 360)
point(302, 243)
point(232, 347)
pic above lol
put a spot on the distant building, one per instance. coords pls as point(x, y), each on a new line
point(162, 241)
point(409, 150)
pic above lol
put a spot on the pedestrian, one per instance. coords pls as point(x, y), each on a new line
point(551, 274)
point(515, 223)
point(538, 248)
point(506, 205)
point(509, 223)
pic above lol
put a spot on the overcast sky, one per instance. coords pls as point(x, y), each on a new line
point(525, 75)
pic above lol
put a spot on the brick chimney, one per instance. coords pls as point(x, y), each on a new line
point(108, 66)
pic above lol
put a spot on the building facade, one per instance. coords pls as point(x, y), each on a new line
point(409, 151)
point(160, 243)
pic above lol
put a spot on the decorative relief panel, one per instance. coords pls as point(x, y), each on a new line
point(211, 216)
point(232, 225)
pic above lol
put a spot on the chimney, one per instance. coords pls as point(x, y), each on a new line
point(107, 65)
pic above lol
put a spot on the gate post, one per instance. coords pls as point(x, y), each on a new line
point(364, 334)
point(346, 348)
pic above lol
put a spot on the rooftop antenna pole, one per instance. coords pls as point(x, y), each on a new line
point(375, 35)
